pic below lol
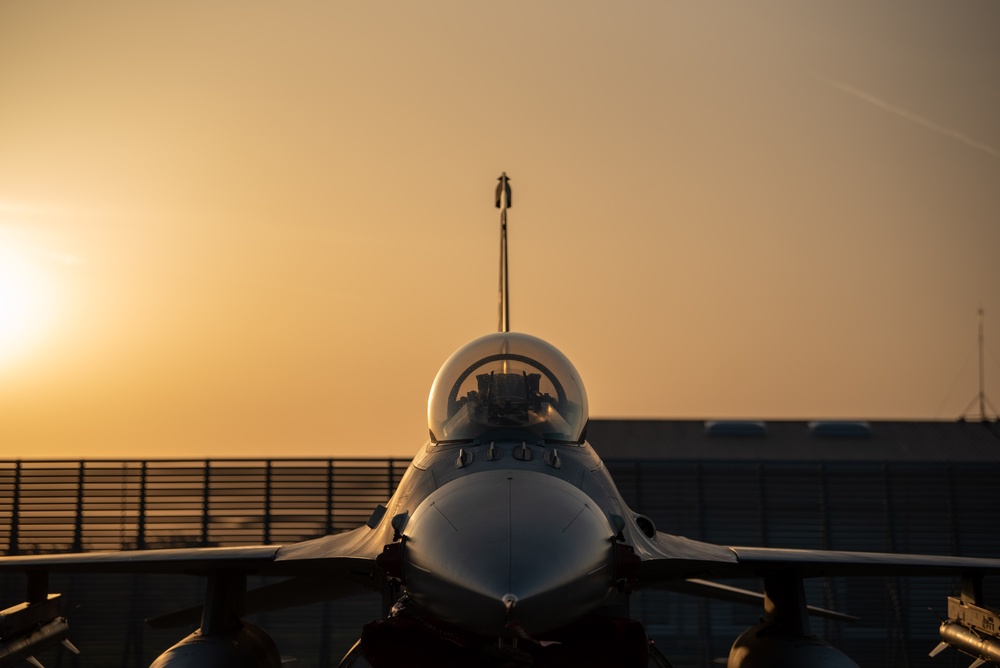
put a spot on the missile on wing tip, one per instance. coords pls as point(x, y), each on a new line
point(972, 630)
point(981, 647)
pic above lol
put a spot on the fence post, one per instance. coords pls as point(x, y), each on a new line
point(204, 503)
point(329, 497)
point(267, 502)
point(140, 538)
point(392, 479)
point(78, 526)
point(13, 546)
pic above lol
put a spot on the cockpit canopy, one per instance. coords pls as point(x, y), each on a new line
point(507, 385)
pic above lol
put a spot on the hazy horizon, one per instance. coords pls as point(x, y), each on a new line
point(234, 229)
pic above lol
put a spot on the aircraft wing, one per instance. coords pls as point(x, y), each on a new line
point(326, 568)
point(181, 560)
point(349, 556)
point(666, 557)
point(818, 563)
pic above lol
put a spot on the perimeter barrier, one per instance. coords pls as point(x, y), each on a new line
point(72, 506)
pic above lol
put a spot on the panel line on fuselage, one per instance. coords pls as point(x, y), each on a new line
point(585, 507)
point(444, 517)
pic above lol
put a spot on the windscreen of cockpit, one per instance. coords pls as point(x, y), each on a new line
point(505, 383)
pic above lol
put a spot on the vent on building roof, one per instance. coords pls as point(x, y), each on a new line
point(840, 428)
point(735, 428)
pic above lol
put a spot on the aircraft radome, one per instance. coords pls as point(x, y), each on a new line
point(506, 542)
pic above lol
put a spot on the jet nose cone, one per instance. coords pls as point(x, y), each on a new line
point(505, 552)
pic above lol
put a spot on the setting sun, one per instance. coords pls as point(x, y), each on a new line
point(26, 303)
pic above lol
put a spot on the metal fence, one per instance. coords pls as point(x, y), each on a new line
point(60, 506)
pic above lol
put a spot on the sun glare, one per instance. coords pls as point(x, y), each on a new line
point(26, 303)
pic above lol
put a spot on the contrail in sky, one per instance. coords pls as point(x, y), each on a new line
point(909, 115)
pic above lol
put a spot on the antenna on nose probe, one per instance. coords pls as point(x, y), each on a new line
point(503, 203)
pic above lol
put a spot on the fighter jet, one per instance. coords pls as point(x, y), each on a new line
point(505, 543)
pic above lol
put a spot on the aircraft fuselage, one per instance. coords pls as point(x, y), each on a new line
point(508, 538)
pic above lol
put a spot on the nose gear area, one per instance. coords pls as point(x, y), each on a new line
point(507, 384)
point(412, 640)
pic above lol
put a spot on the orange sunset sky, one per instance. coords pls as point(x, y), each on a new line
point(259, 228)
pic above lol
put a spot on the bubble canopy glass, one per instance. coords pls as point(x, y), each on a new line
point(507, 385)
